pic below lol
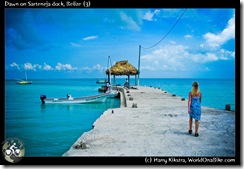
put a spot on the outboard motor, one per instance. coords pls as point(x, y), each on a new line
point(43, 97)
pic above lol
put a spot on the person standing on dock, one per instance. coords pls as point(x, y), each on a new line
point(108, 88)
point(194, 107)
point(127, 85)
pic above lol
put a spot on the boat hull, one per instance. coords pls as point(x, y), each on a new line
point(24, 82)
point(114, 94)
point(89, 99)
point(101, 81)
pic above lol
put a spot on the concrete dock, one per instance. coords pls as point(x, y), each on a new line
point(153, 122)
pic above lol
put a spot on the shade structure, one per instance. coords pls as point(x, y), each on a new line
point(122, 68)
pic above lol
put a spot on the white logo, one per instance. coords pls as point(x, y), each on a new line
point(13, 150)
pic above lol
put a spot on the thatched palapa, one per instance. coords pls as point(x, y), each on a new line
point(122, 68)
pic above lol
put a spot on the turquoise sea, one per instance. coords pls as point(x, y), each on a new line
point(50, 130)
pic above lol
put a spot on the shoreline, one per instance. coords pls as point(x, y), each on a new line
point(155, 123)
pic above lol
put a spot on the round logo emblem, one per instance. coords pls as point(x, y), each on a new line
point(13, 150)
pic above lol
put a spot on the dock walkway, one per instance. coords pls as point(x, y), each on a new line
point(155, 123)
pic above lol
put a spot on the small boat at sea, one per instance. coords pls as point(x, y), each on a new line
point(24, 81)
point(101, 81)
point(72, 100)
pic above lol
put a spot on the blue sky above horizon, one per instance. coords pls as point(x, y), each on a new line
point(76, 43)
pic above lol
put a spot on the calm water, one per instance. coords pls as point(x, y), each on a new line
point(50, 130)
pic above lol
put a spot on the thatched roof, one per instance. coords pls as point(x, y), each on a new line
point(122, 68)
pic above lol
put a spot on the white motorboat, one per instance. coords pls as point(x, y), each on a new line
point(72, 100)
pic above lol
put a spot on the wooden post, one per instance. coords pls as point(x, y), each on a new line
point(227, 107)
point(138, 80)
point(129, 79)
point(114, 81)
point(135, 80)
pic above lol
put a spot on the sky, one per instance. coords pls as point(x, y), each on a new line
point(49, 43)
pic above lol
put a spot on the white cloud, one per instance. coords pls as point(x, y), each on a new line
point(182, 58)
point(130, 23)
point(15, 65)
point(47, 67)
point(59, 67)
point(226, 54)
point(233, 54)
point(188, 36)
point(98, 67)
point(215, 40)
point(30, 66)
point(85, 68)
point(169, 57)
point(203, 58)
point(150, 15)
point(64, 67)
point(89, 38)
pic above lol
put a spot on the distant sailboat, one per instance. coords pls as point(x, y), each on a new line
point(24, 81)
point(101, 81)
